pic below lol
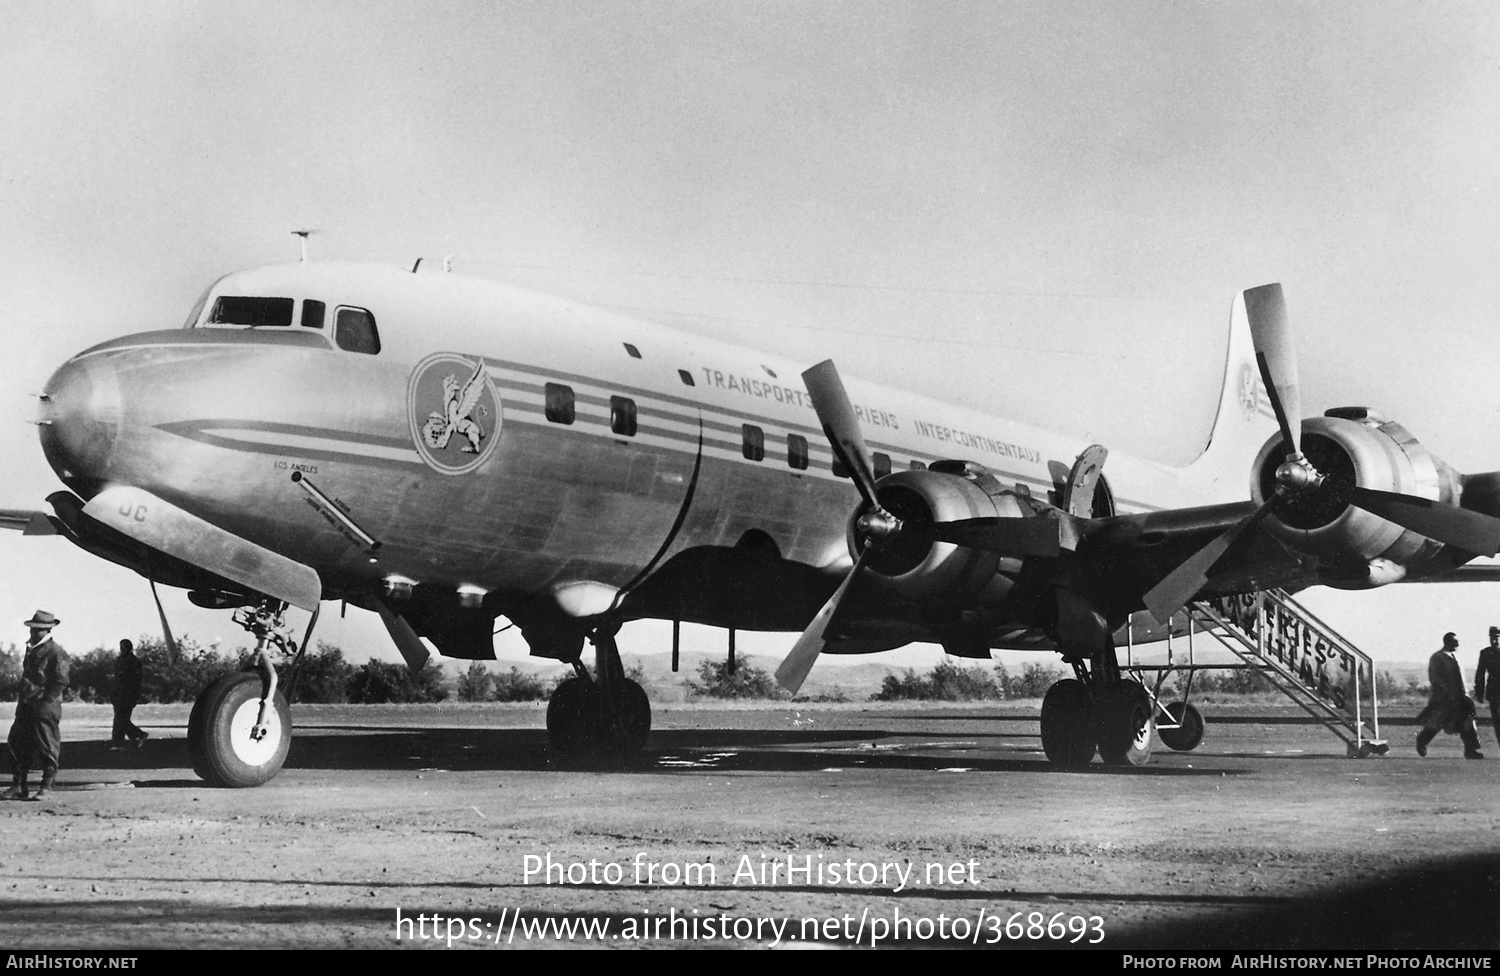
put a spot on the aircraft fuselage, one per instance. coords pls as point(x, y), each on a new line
point(494, 439)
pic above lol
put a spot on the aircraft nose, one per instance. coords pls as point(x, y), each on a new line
point(80, 420)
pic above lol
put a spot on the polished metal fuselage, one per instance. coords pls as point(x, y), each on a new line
point(217, 421)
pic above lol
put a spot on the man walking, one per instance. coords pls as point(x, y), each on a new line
point(36, 736)
point(1448, 708)
point(127, 693)
point(1489, 667)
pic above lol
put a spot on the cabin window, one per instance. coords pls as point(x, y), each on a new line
point(238, 310)
point(796, 451)
point(560, 408)
point(312, 314)
point(882, 464)
point(632, 351)
point(754, 442)
point(354, 330)
point(686, 377)
point(838, 468)
point(622, 415)
point(918, 465)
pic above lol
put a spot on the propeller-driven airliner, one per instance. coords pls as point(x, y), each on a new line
point(444, 450)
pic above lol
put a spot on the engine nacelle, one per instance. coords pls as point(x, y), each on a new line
point(941, 573)
point(1354, 446)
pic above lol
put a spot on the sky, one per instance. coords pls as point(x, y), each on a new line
point(1041, 210)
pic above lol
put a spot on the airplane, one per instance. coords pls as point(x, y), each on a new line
point(444, 450)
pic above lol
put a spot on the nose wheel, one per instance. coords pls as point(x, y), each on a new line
point(233, 740)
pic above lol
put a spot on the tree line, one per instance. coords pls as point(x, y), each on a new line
point(318, 676)
point(323, 676)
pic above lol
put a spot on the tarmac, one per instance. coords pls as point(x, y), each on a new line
point(757, 826)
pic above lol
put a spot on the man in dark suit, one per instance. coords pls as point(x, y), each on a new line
point(1448, 708)
point(1489, 667)
point(127, 692)
point(36, 736)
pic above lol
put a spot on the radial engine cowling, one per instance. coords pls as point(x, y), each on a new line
point(1354, 446)
point(932, 573)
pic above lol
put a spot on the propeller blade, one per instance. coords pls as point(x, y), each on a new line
point(1011, 536)
point(804, 654)
point(841, 426)
point(1461, 528)
point(166, 630)
point(1265, 309)
point(1182, 584)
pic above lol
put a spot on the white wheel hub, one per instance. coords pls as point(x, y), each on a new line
point(246, 749)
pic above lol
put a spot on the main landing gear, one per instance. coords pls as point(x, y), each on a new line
point(240, 727)
point(1099, 709)
point(605, 718)
point(1080, 716)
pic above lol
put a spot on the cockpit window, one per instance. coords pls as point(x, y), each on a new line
point(312, 314)
point(192, 319)
point(236, 310)
point(354, 330)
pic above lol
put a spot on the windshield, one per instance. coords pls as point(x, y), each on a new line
point(236, 310)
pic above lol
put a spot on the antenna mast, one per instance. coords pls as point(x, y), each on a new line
point(304, 235)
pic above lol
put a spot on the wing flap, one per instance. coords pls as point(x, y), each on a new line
point(157, 523)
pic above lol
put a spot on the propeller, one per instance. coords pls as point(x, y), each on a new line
point(804, 654)
point(876, 527)
point(1271, 335)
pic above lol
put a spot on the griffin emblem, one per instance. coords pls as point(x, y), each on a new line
point(456, 417)
point(454, 411)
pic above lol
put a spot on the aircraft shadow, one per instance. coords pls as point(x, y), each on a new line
point(670, 751)
point(1448, 904)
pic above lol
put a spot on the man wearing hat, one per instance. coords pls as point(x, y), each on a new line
point(35, 737)
point(1448, 708)
point(1489, 666)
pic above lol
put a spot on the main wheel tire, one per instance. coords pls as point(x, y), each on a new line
point(1067, 732)
point(633, 726)
point(219, 742)
point(573, 719)
point(1126, 725)
point(1189, 733)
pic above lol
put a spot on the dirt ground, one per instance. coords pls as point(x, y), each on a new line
point(1265, 837)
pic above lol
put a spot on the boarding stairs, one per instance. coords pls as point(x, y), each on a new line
point(1299, 655)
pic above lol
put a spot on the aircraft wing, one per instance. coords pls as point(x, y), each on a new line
point(27, 521)
point(1124, 556)
point(1117, 560)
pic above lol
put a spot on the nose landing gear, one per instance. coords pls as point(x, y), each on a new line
point(241, 728)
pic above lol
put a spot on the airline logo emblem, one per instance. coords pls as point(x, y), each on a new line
point(1252, 395)
point(1248, 396)
point(454, 411)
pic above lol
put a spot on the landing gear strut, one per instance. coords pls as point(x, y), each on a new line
point(240, 727)
point(604, 718)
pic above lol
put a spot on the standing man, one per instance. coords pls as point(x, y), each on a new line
point(1448, 708)
point(1489, 665)
point(127, 693)
point(36, 737)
